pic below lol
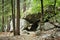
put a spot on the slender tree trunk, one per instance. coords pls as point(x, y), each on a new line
point(8, 23)
point(54, 6)
point(54, 9)
point(42, 13)
point(24, 6)
point(2, 15)
point(18, 18)
point(2, 23)
point(13, 15)
point(42, 10)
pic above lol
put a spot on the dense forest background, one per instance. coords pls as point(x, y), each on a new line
point(29, 7)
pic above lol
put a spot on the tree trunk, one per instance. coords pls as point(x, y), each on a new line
point(13, 15)
point(54, 6)
point(2, 15)
point(42, 13)
point(2, 23)
point(24, 6)
point(18, 18)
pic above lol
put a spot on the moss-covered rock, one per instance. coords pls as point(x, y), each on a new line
point(33, 17)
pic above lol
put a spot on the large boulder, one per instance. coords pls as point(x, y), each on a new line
point(33, 17)
point(47, 26)
point(23, 24)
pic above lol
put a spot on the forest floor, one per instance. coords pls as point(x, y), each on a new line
point(9, 36)
point(27, 38)
point(22, 37)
